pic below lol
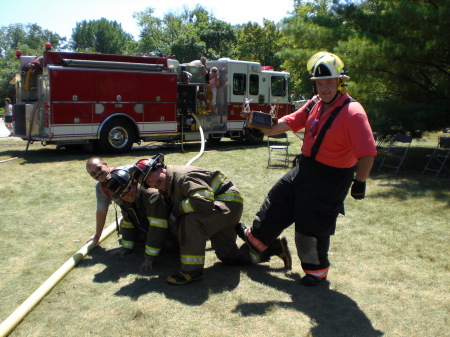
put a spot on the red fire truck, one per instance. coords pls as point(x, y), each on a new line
point(114, 101)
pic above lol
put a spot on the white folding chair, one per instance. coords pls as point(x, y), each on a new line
point(278, 146)
point(395, 153)
point(438, 159)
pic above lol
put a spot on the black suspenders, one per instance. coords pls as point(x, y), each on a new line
point(326, 126)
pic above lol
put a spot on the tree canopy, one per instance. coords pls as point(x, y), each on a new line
point(188, 34)
point(396, 51)
point(30, 39)
point(259, 43)
point(101, 36)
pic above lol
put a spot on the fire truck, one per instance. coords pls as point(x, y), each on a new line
point(113, 101)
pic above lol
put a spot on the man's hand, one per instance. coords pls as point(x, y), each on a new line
point(94, 238)
point(119, 251)
point(358, 190)
point(147, 264)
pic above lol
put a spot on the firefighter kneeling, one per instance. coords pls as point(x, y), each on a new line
point(205, 204)
point(145, 218)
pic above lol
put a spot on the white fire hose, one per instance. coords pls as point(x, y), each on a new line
point(202, 148)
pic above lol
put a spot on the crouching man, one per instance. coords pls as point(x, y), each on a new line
point(154, 211)
point(204, 204)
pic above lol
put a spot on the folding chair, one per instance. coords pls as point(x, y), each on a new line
point(395, 154)
point(437, 160)
point(278, 146)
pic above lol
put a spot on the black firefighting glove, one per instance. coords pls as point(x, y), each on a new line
point(358, 190)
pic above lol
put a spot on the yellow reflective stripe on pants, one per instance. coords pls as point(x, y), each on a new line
point(217, 181)
point(155, 222)
point(127, 224)
point(193, 259)
point(232, 196)
point(152, 251)
point(127, 244)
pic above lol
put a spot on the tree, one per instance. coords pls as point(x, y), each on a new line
point(188, 47)
point(219, 37)
point(157, 35)
point(259, 44)
point(176, 30)
point(30, 39)
point(396, 51)
point(101, 36)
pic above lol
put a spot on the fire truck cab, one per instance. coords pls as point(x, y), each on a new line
point(114, 101)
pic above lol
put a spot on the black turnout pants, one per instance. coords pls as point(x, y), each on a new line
point(311, 195)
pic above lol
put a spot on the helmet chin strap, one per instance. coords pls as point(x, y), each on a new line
point(332, 100)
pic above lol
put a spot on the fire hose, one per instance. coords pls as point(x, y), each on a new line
point(19, 314)
point(11, 322)
point(202, 148)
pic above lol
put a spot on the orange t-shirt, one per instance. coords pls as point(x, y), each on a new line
point(349, 138)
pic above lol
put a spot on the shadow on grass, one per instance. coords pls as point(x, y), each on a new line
point(51, 154)
point(409, 182)
point(154, 281)
point(333, 313)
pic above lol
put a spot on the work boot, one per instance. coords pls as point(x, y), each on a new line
point(241, 231)
point(312, 281)
point(184, 278)
point(280, 248)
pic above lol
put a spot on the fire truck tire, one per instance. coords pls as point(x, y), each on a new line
point(252, 139)
point(117, 136)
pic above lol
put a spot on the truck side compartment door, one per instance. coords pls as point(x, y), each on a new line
point(72, 97)
point(158, 95)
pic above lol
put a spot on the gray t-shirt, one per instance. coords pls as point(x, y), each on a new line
point(103, 201)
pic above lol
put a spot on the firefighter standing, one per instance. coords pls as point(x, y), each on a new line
point(204, 204)
point(337, 137)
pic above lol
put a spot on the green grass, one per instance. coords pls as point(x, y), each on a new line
point(389, 275)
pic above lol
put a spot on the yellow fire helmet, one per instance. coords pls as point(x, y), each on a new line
point(324, 65)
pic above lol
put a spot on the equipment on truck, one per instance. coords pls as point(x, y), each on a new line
point(114, 101)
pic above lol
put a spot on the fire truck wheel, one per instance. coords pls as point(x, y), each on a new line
point(117, 136)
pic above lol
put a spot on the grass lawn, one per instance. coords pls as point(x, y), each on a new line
point(390, 262)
